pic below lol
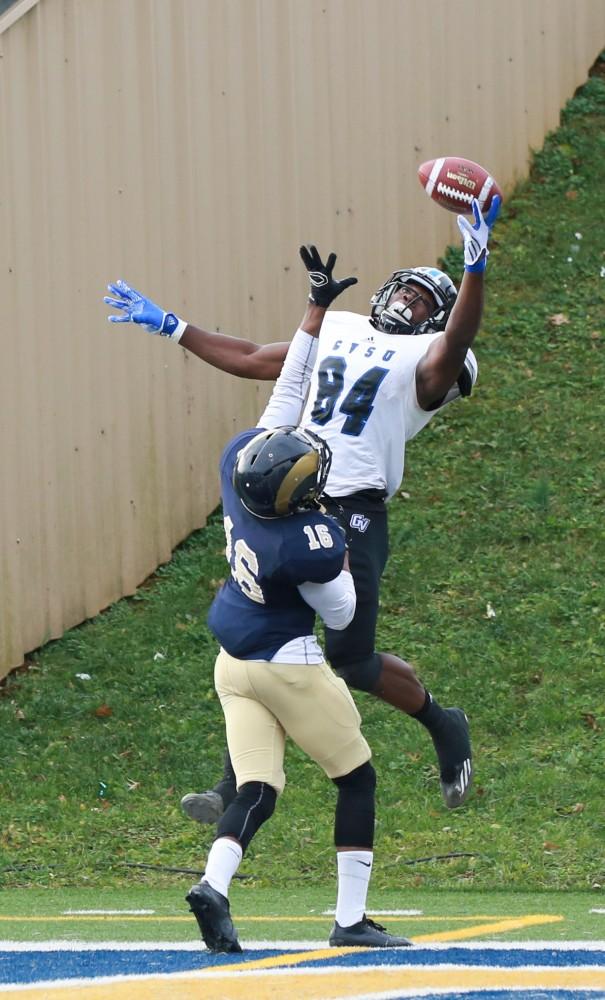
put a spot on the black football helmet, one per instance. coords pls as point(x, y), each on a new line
point(282, 471)
point(397, 318)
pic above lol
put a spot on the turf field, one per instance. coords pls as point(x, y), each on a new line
point(143, 943)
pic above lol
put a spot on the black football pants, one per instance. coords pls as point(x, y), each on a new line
point(351, 652)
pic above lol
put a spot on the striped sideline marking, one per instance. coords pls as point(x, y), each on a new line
point(313, 972)
point(107, 913)
point(382, 913)
point(495, 927)
point(318, 983)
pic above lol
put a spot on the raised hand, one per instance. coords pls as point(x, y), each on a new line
point(475, 236)
point(324, 288)
point(138, 309)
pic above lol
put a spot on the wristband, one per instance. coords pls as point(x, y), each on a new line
point(478, 267)
point(173, 328)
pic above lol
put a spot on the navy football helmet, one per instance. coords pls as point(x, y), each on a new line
point(396, 318)
point(282, 471)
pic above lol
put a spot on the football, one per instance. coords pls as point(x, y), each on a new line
point(453, 183)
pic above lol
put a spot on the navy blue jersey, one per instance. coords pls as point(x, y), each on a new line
point(259, 609)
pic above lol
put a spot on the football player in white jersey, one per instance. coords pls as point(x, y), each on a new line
point(376, 383)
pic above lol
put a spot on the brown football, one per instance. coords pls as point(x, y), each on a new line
point(453, 183)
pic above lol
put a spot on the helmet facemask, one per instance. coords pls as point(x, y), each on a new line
point(396, 318)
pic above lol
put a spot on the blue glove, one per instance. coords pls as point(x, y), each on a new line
point(475, 236)
point(140, 310)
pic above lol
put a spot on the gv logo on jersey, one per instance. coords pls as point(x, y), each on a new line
point(360, 522)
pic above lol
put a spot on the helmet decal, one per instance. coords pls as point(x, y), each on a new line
point(281, 471)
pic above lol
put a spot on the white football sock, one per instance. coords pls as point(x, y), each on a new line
point(223, 861)
point(354, 870)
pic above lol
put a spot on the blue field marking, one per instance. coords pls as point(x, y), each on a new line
point(22, 964)
point(32, 966)
point(521, 994)
point(510, 957)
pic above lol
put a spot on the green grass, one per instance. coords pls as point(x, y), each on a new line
point(503, 509)
point(299, 915)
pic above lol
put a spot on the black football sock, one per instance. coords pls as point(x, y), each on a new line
point(431, 714)
point(227, 786)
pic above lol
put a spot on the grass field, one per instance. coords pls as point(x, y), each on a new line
point(495, 590)
point(300, 915)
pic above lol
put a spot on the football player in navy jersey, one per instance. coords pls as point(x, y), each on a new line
point(376, 382)
point(288, 561)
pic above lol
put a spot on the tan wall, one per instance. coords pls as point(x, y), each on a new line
point(190, 146)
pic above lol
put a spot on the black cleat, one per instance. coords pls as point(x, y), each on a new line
point(455, 792)
point(365, 934)
point(205, 807)
point(211, 910)
point(453, 746)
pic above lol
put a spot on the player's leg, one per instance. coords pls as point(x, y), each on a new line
point(317, 711)
point(252, 806)
point(448, 729)
point(354, 825)
point(352, 654)
point(352, 651)
point(209, 806)
point(256, 740)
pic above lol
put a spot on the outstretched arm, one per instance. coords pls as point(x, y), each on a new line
point(438, 370)
point(230, 354)
point(235, 356)
point(262, 362)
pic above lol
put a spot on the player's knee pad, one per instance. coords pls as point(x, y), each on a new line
point(354, 820)
point(361, 674)
point(361, 781)
point(252, 806)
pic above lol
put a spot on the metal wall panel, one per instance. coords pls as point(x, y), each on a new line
point(190, 146)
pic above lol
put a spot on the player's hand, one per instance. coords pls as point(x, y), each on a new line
point(339, 521)
point(138, 309)
point(475, 236)
point(324, 288)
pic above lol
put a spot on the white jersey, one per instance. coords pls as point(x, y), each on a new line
point(362, 401)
